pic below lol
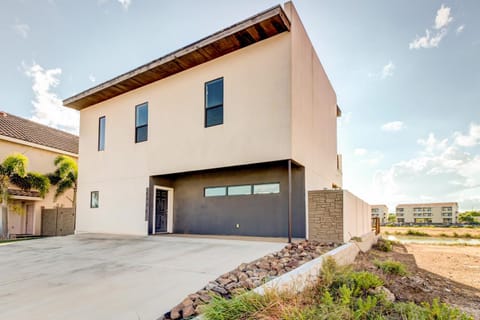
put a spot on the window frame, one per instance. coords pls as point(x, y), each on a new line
point(266, 183)
point(216, 106)
point(141, 126)
point(91, 199)
point(215, 187)
point(99, 147)
point(240, 194)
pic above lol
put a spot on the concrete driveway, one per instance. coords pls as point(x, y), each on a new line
point(112, 277)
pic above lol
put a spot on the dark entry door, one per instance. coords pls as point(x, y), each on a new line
point(161, 210)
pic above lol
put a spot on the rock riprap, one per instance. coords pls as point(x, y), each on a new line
point(248, 276)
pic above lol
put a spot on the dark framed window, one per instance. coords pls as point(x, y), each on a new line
point(94, 199)
point(141, 122)
point(266, 188)
point(214, 103)
point(239, 190)
point(215, 191)
point(101, 133)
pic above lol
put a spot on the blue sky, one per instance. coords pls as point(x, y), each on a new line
point(406, 73)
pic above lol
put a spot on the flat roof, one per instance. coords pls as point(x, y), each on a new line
point(428, 204)
point(259, 27)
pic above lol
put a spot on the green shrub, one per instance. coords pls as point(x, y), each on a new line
point(384, 245)
point(357, 282)
point(416, 233)
point(425, 311)
point(391, 267)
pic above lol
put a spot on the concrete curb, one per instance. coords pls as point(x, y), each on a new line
point(307, 273)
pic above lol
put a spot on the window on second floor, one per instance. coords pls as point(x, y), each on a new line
point(101, 133)
point(214, 103)
point(141, 122)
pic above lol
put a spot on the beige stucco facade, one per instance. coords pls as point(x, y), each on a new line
point(278, 105)
point(380, 211)
point(41, 160)
point(444, 213)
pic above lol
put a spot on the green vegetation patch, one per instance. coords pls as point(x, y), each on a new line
point(391, 267)
point(339, 293)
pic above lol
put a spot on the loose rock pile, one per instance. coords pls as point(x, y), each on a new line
point(248, 276)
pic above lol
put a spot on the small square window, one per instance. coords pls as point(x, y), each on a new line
point(94, 198)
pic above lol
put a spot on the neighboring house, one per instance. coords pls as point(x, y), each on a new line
point(224, 136)
point(41, 145)
point(380, 211)
point(444, 213)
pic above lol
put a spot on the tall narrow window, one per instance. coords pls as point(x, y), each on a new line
point(101, 133)
point(141, 122)
point(214, 103)
point(94, 199)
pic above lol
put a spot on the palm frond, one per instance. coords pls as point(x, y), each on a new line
point(15, 164)
point(39, 182)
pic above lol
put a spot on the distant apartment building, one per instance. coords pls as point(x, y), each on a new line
point(444, 213)
point(380, 211)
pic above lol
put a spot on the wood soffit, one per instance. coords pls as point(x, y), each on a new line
point(252, 30)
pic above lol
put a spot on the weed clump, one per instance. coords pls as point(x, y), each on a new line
point(391, 267)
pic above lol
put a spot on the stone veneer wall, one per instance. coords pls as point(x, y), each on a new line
point(325, 215)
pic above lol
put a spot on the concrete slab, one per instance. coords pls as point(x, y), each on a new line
point(112, 277)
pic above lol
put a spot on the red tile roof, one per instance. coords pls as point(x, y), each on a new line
point(29, 131)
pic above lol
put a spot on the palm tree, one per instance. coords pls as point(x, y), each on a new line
point(13, 171)
point(65, 177)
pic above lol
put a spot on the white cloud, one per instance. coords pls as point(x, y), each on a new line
point(393, 126)
point(125, 3)
point(471, 139)
point(360, 152)
point(428, 41)
point(460, 29)
point(387, 70)
point(442, 171)
point(432, 40)
point(22, 29)
point(92, 78)
point(443, 17)
point(47, 107)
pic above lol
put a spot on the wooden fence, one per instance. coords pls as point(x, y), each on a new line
point(58, 221)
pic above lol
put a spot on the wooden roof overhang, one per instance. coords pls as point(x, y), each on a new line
point(257, 28)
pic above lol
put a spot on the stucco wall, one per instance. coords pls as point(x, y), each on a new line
point(256, 129)
point(356, 216)
point(314, 111)
point(41, 161)
point(257, 215)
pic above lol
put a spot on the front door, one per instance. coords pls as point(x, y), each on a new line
point(29, 219)
point(161, 210)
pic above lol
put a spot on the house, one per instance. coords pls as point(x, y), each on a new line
point(41, 145)
point(380, 211)
point(224, 136)
point(439, 213)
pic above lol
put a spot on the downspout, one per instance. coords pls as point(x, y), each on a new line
point(289, 201)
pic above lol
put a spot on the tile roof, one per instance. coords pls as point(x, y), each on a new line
point(29, 131)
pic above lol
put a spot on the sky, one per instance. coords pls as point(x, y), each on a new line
point(406, 74)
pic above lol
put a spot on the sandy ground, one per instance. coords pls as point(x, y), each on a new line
point(475, 232)
point(458, 263)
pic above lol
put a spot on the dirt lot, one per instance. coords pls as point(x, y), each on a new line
point(445, 272)
point(457, 263)
point(434, 231)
